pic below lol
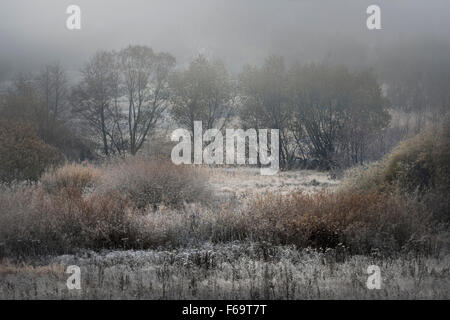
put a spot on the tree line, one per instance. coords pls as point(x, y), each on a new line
point(327, 116)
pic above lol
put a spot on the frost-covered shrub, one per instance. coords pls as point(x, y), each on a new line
point(154, 182)
point(71, 176)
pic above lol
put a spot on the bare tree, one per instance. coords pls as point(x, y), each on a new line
point(94, 96)
point(337, 111)
point(21, 100)
point(40, 100)
point(204, 93)
point(266, 104)
point(144, 76)
point(53, 90)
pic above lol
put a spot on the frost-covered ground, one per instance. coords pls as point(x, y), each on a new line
point(241, 181)
point(228, 271)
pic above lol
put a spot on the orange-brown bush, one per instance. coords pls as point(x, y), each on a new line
point(361, 222)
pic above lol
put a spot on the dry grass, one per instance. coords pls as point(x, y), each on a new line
point(8, 268)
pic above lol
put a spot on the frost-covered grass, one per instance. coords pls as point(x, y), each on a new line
point(237, 270)
point(242, 181)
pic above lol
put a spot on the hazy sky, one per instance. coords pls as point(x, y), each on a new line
point(33, 33)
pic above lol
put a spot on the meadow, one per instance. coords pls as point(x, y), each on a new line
point(142, 228)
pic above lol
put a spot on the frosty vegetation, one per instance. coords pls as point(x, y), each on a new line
point(86, 179)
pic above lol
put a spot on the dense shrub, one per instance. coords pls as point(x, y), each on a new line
point(23, 155)
point(34, 221)
point(360, 222)
point(422, 163)
point(68, 219)
point(155, 182)
point(145, 204)
point(419, 164)
point(364, 179)
point(112, 206)
point(418, 168)
point(71, 176)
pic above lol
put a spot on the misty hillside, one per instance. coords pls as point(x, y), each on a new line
point(224, 149)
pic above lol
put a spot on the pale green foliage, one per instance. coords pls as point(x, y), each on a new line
point(364, 178)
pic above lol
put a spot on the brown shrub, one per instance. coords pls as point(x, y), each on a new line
point(67, 220)
point(141, 204)
point(362, 222)
point(34, 221)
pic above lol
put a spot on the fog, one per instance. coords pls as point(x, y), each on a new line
point(33, 33)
